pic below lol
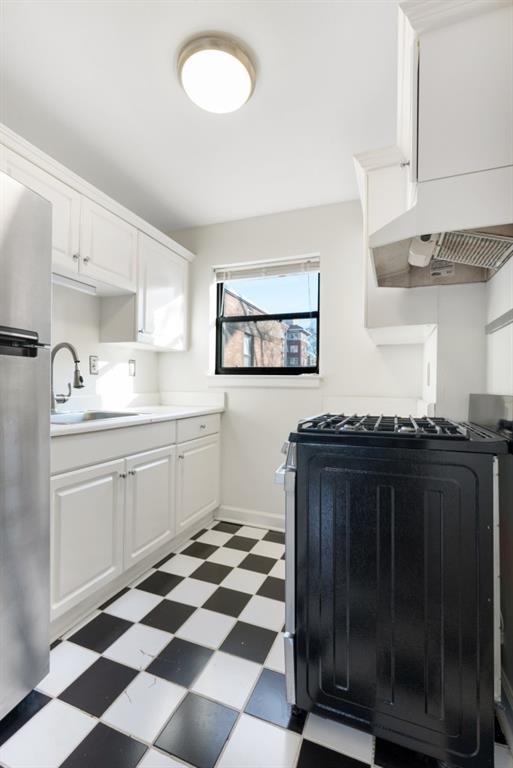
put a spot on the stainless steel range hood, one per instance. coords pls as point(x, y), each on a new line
point(444, 258)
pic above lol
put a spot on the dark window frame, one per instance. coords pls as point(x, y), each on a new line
point(260, 370)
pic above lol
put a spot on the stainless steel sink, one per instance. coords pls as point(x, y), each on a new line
point(79, 417)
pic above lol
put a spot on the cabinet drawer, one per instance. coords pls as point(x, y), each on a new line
point(199, 426)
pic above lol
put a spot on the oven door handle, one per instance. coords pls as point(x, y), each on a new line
point(289, 482)
point(279, 475)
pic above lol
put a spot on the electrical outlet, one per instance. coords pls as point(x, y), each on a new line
point(93, 365)
point(131, 367)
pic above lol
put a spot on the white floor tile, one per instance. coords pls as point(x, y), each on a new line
point(251, 533)
point(192, 592)
point(268, 549)
point(244, 581)
point(48, 738)
point(219, 538)
point(206, 628)
point(67, 662)
point(138, 646)
point(154, 759)
point(278, 570)
point(227, 556)
point(276, 658)
point(182, 565)
point(144, 707)
point(264, 612)
point(503, 757)
point(340, 738)
point(227, 679)
point(255, 744)
point(133, 605)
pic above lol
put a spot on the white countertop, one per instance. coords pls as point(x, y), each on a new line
point(134, 417)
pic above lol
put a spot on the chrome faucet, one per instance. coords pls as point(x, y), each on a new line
point(78, 379)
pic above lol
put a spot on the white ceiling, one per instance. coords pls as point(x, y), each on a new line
point(94, 85)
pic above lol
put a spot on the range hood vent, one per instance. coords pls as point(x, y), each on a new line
point(475, 249)
point(460, 256)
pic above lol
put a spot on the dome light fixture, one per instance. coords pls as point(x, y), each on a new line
point(216, 73)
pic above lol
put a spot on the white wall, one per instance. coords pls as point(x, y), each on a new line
point(258, 420)
point(499, 345)
point(76, 318)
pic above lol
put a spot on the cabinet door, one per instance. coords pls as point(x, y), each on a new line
point(394, 610)
point(162, 295)
point(150, 505)
point(198, 480)
point(466, 96)
point(108, 247)
point(86, 532)
point(65, 208)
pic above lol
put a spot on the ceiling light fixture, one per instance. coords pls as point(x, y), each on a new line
point(216, 73)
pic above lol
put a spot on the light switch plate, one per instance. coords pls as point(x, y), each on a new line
point(93, 365)
point(131, 367)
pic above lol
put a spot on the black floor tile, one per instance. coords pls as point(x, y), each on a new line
point(113, 599)
point(55, 643)
point(105, 748)
point(227, 527)
point(314, 756)
point(160, 583)
point(101, 632)
point(269, 702)
point(277, 537)
point(241, 542)
point(273, 588)
point(212, 572)
point(228, 601)
point(21, 714)
point(168, 615)
point(282, 557)
point(180, 662)
point(200, 533)
point(199, 549)
point(97, 687)
point(197, 731)
point(164, 560)
point(249, 642)
point(388, 755)
point(257, 563)
point(499, 736)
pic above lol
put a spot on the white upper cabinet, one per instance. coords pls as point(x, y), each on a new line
point(161, 296)
point(466, 96)
point(65, 208)
point(108, 247)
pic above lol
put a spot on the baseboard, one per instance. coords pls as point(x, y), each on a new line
point(251, 517)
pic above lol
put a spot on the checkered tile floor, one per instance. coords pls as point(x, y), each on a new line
point(185, 668)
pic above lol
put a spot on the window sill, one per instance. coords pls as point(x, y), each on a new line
point(303, 381)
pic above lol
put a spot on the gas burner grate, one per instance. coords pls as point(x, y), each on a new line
point(399, 426)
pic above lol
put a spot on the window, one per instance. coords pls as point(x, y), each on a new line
point(261, 309)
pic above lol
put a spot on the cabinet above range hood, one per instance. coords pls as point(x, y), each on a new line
point(452, 220)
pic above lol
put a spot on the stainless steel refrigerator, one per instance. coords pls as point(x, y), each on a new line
point(25, 309)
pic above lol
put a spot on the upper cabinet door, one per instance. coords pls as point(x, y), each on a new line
point(65, 208)
point(108, 247)
point(465, 109)
point(162, 295)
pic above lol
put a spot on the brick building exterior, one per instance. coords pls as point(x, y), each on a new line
point(297, 353)
point(248, 345)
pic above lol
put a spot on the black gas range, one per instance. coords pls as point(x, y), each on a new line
point(392, 588)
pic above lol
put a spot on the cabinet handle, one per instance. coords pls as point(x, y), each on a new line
point(86, 259)
point(122, 475)
point(75, 257)
point(203, 426)
point(132, 472)
point(181, 456)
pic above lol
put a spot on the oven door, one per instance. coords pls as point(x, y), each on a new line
point(285, 475)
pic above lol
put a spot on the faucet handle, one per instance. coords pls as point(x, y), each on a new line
point(64, 398)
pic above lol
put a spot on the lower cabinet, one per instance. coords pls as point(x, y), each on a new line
point(86, 532)
point(150, 502)
point(198, 480)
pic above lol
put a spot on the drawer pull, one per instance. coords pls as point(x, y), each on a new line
point(122, 475)
point(181, 456)
point(203, 426)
